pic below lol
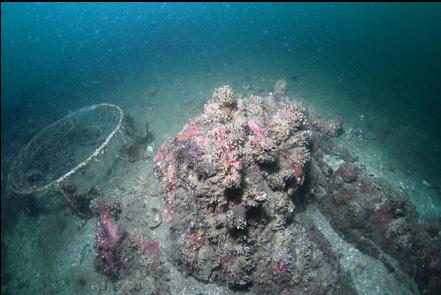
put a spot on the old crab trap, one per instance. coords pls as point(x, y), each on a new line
point(72, 155)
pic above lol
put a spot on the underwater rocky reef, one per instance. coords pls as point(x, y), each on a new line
point(235, 183)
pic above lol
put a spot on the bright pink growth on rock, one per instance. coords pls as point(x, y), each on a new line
point(112, 230)
point(108, 239)
point(223, 145)
point(234, 163)
point(220, 132)
point(170, 178)
point(160, 155)
point(297, 170)
point(279, 267)
point(187, 133)
point(252, 124)
point(197, 241)
point(169, 209)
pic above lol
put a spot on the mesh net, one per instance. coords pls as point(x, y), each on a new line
point(57, 154)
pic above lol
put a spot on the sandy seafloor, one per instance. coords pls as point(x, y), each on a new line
point(54, 252)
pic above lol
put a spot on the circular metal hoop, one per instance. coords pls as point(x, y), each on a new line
point(16, 179)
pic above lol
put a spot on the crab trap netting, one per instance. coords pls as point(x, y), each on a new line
point(71, 155)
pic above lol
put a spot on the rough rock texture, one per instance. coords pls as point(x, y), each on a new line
point(230, 180)
point(259, 199)
point(368, 275)
point(369, 213)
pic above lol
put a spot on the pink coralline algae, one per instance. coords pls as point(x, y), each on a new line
point(108, 238)
point(256, 129)
point(196, 241)
point(160, 155)
point(187, 133)
point(279, 267)
point(297, 170)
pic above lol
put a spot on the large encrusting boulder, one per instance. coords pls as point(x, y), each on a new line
point(230, 181)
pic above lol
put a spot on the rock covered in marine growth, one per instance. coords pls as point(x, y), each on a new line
point(108, 241)
point(230, 180)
